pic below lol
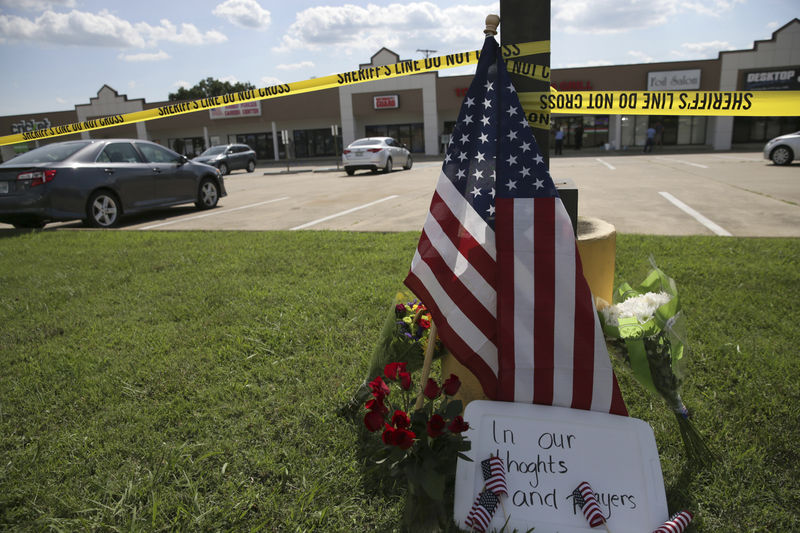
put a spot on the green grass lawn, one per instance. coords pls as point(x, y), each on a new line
point(190, 381)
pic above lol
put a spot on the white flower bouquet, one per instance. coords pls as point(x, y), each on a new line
point(645, 328)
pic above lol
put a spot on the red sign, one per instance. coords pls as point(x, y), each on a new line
point(572, 85)
point(386, 102)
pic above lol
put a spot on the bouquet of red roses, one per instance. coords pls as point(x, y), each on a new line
point(418, 445)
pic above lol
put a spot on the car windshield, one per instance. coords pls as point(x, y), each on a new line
point(366, 142)
point(214, 150)
point(50, 153)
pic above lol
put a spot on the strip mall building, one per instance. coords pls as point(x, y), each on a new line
point(421, 110)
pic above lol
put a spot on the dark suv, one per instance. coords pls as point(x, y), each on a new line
point(227, 157)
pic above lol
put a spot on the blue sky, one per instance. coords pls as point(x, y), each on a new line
point(58, 53)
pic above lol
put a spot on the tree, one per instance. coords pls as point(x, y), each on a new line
point(210, 87)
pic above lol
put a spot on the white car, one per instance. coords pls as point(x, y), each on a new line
point(375, 153)
point(783, 149)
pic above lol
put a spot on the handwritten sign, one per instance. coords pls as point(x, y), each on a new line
point(548, 452)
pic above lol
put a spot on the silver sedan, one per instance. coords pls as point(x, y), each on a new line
point(375, 153)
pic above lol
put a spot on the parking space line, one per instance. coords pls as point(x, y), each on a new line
point(215, 212)
point(736, 158)
point(696, 215)
point(683, 162)
point(609, 165)
point(347, 212)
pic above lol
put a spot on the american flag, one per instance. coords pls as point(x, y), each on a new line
point(497, 261)
point(676, 524)
point(482, 510)
point(584, 497)
point(494, 475)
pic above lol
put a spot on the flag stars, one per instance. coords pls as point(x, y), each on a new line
point(490, 210)
point(464, 139)
point(511, 88)
point(512, 110)
point(525, 146)
point(479, 157)
point(512, 135)
point(511, 185)
point(487, 103)
point(469, 102)
point(475, 192)
point(525, 172)
point(462, 156)
point(538, 183)
point(539, 159)
point(485, 120)
point(483, 138)
point(478, 174)
point(512, 160)
point(492, 193)
point(523, 122)
point(461, 173)
point(467, 119)
point(489, 86)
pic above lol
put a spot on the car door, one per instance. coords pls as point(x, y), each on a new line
point(173, 182)
point(123, 169)
point(240, 156)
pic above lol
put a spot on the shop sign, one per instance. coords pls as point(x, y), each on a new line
point(242, 109)
point(24, 126)
point(673, 80)
point(391, 101)
point(776, 79)
point(572, 85)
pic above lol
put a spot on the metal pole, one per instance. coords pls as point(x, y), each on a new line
point(522, 21)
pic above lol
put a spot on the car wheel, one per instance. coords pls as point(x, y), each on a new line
point(350, 171)
point(409, 162)
point(388, 167)
point(103, 210)
point(251, 165)
point(782, 155)
point(223, 169)
point(208, 195)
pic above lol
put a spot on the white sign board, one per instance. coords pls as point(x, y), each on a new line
point(548, 452)
point(673, 80)
point(242, 109)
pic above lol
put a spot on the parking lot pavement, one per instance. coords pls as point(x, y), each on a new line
point(728, 193)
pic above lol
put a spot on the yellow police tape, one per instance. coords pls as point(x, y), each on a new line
point(537, 105)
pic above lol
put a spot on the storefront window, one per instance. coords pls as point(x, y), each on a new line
point(314, 143)
point(188, 146)
point(412, 135)
point(260, 142)
point(762, 129)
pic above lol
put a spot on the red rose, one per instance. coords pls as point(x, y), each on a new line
point(405, 380)
point(400, 420)
point(432, 389)
point(458, 425)
point(451, 385)
point(425, 321)
point(392, 369)
point(435, 426)
point(403, 438)
point(388, 435)
point(376, 405)
point(379, 389)
point(373, 420)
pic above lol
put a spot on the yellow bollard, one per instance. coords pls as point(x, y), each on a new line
point(597, 246)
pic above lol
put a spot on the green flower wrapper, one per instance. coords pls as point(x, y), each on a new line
point(655, 351)
point(403, 339)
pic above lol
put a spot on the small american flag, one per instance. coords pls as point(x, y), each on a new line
point(676, 524)
point(497, 261)
point(494, 475)
point(584, 497)
point(482, 510)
